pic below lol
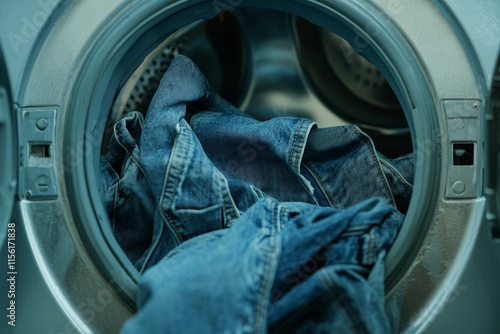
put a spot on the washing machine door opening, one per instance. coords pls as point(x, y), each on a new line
point(387, 120)
point(276, 72)
point(8, 157)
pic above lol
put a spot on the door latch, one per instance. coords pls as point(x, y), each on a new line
point(37, 159)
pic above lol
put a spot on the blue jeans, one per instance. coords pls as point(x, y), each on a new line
point(127, 196)
point(196, 163)
point(281, 267)
point(289, 159)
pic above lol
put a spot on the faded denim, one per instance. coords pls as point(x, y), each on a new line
point(196, 163)
point(127, 196)
point(281, 267)
point(250, 226)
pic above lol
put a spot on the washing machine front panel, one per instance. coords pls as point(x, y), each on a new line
point(480, 21)
point(8, 160)
point(91, 47)
point(21, 24)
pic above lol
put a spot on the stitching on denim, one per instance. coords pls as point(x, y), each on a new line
point(404, 157)
point(124, 204)
point(369, 248)
point(171, 182)
point(398, 174)
point(304, 132)
point(337, 290)
point(230, 210)
point(374, 155)
point(271, 261)
point(297, 146)
point(129, 154)
point(115, 197)
point(295, 138)
point(137, 163)
point(115, 203)
point(294, 317)
point(223, 206)
point(152, 249)
point(226, 213)
point(312, 171)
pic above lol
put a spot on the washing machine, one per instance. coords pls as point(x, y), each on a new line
point(418, 76)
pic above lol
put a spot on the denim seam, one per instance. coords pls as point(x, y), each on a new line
point(393, 217)
point(294, 316)
point(356, 230)
point(230, 210)
point(171, 181)
point(397, 173)
point(323, 189)
point(151, 250)
point(123, 206)
point(137, 163)
point(293, 157)
point(225, 210)
point(116, 134)
point(339, 292)
point(299, 150)
point(222, 204)
point(374, 155)
point(115, 203)
point(262, 303)
point(369, 247)
point(130, 155)
point(163, 213)
point(370, 254)
point(256, 192)
point(403, 157)
point(115, 196)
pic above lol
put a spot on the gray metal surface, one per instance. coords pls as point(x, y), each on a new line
point(20, 24)
point(8, 161)
point(480, 21)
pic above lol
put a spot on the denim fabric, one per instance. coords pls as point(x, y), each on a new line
point(202, 162)
point(250, 226)
point(192, 195)
point(332, 288)
point(399, 173)
point(256, 155)
point(127, 196)
point(282, 267)
point(290, 159)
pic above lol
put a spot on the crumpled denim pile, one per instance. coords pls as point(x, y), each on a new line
point(246, 226)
